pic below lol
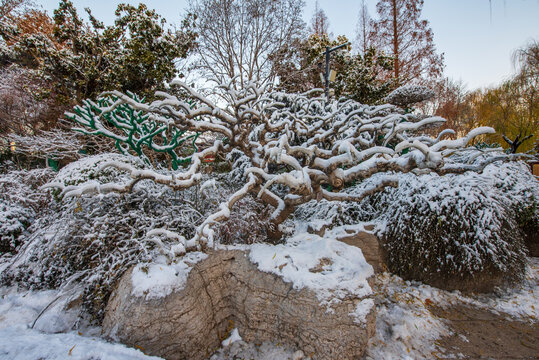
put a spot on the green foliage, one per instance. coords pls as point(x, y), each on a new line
point(133, 131)
point(358, 77)
point(136, 54)
point(485, 145)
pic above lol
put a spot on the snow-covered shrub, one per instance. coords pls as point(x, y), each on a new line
point(521, 192)
point(455, 232)
point(296, 147)
point(409, 94)
point(20, 202)
point(446, 230)
point(95, 240)
point(527, 216)
point(14, 219)
point(90, 169)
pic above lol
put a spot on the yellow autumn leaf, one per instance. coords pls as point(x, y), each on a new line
point(78, 208)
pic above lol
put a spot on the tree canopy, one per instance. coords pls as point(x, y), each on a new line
point(358, 75)
point(401, 32)
point(237, 37)
point(82, 59)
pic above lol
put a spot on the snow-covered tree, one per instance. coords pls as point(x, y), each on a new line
point(293, 149)
point(83, 59)
point(359, 76)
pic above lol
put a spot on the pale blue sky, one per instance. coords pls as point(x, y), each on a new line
point(477, 39)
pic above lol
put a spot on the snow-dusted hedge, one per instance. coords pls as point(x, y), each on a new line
point(450, 231)
point(93, 240)
point(521, 191)
point(90, 169)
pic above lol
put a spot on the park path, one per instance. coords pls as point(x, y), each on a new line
point(481, 334)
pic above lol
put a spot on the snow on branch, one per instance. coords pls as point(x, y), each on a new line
point(54, 144)
point(301, 143)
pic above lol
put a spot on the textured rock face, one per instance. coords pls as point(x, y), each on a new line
point(225, 291)
point(369, 245)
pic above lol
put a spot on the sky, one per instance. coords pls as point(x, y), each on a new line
point(477, 37)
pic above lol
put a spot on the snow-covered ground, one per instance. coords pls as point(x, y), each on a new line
point(19, 341)
point(405, 328)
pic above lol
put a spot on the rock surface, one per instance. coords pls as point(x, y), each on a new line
point(369, 245)
point(227, 291)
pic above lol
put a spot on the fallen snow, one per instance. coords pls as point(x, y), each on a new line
point(157, 280)
point(234, 336)
point(22, 343)
point(263, 351)
point(19, 310)
point(405, 328)
point(520, 302)
point(330, 268)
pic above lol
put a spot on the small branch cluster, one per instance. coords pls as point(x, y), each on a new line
point(300, 147)
point(48, 144)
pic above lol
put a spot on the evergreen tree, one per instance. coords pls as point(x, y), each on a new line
point(358, 76)
point(136, 54)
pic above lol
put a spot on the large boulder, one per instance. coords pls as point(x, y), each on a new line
point(225, 291)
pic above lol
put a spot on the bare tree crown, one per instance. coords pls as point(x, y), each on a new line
point(236, 37)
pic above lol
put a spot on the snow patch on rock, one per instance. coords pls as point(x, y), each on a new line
point(157, 280)
point(328, 267)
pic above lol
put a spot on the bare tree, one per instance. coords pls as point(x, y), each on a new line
point(526, 59)
point(363, 29)
point(402, 33)
point(13, 7)
point(451, 104)
point(25, 106)
point(319, 22)
point(236, 37)
point(295, 148)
